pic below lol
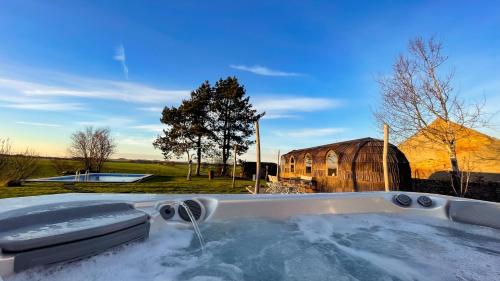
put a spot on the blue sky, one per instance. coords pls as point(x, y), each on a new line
point(309, 64)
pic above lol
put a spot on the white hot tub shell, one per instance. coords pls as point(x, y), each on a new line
point(42, 230)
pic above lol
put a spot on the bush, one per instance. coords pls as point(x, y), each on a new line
point(15, 167)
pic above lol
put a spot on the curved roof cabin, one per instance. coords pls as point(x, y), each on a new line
point(354, 165)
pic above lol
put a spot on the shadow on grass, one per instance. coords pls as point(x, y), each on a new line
point(154, 179)
point(74, 188)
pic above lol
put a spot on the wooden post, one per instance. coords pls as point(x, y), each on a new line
point(257, 147)
point(234, 166)
point(278, 167)
point(384, 157)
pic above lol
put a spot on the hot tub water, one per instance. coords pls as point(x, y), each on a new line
point(320, 247)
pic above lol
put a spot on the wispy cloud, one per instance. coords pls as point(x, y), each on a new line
point(149, 127)
point(271, 115)
point(37, 124)
point(74, 86)
point(137, 141)
point(312, 133)
point(107, 122)
point(120, 56)
point(262, 70)
point(119, 122)
point(287, 107)
point(45, 106)
point(156, 109)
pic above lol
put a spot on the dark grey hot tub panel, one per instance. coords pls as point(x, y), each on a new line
point(167, 212)
point(424, 201)
point(53, 233)
point(195, 209)
point(475, 212)
point(79, 249)
point(404, 200)
point(176, 212)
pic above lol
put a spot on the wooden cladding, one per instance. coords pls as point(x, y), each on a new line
point(358, 168)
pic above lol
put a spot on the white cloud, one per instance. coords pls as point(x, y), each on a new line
point(156, 109)
point(287, 107)
point(136, 141)
point(73, 86)
point(311, 133)
point(107, 122)
point(150, 127)
point(296, 103)
point(45, 106)
point(262, 70)
point(37, 124)
point(120, 56)
point(271, 115)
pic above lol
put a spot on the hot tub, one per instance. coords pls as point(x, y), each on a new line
point(342, 236)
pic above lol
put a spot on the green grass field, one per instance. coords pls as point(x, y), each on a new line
point(168, 178)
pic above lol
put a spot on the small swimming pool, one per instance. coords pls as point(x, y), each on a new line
point(96, 177)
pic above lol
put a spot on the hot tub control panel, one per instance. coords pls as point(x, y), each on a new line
point(404, 200)
point(176, 211)
point(424, 201)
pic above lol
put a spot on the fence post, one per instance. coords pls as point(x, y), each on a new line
point(384, 159)
point(234, 166)
point(278, 167)
point(257, 147)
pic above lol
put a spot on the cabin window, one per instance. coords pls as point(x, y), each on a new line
point(308, 163)
point(332, 164)
point(292, 165)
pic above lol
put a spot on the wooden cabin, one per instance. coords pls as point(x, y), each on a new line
point(348, 166)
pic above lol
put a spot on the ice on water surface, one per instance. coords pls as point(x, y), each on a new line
point(327, 247)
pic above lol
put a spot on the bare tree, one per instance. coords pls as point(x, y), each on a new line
point(81, 146)
point(93, 147)
point(5, 149)
point(420, 92)
point(23, 165)
point(15, 167)
point(104, 147)
point(465, 174)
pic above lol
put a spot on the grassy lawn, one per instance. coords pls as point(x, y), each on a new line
point(169, 178)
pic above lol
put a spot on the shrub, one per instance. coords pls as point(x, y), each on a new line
point(15, 167)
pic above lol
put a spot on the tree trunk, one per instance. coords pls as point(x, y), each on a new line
point(234, 167)
point(225, 156)
point(198, 155)
point(225, 145)
point(455, 171)
point(189, 167)
point(224, 164)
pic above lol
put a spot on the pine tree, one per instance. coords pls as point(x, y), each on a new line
point(197, 110)
point(233, 118)
point(188, 128)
